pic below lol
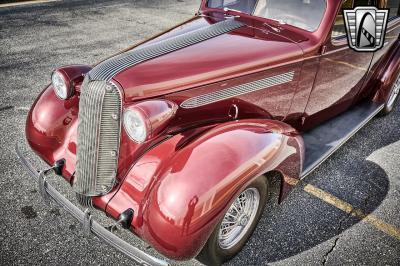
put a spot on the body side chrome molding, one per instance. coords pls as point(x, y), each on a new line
point(235, 91)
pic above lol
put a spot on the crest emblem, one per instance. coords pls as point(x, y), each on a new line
point(366, 28)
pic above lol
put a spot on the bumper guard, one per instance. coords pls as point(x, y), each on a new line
point(85, 218)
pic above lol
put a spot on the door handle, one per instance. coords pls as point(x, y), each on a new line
point(323, 49)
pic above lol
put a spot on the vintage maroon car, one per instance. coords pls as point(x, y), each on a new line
point(177, 138)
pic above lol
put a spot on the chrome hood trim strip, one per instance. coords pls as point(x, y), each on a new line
point(111, 67)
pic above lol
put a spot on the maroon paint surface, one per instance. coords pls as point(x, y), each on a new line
point(181, 180)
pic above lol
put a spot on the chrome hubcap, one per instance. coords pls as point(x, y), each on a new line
point(394, 93)
point(239, 218)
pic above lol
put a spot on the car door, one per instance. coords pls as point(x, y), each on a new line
point(392, 30)
point(391, 39)
point(340, 75)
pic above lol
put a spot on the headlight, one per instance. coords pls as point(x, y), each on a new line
point(135, 125)
point(146, 120)
point(62, 86)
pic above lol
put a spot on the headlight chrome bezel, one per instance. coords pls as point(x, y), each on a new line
point(127, 122)
point(67, 90)
point(154, 115)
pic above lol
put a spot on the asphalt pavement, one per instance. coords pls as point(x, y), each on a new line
point(344, 213)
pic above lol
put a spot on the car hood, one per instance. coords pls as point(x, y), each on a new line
point(248, 49)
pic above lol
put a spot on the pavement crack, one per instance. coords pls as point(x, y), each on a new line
point(353, 212)
point(339, 230)
point(366, 201)
point(330, 251)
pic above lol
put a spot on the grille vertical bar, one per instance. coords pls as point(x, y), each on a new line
point(98, 139)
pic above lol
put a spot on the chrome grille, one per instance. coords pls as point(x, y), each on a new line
point(98, 139)
point(235, 91)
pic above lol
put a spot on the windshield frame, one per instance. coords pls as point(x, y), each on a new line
point(205, 7)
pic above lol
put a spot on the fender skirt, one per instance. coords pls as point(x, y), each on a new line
point(182, 187)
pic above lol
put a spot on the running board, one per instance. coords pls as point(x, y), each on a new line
point(325, 139)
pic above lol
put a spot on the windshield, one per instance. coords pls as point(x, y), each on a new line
point(304, 14)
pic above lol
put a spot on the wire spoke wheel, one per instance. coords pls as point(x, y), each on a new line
point(394, 93)
point(236, 224)
point(238, 218)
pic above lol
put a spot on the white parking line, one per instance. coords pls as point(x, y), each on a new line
point(27, 3)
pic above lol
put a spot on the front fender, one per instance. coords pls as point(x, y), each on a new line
point(51, 123)
point(197, 181)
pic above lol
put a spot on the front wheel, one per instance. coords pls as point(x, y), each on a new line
point(237, 225)
point(393, 97)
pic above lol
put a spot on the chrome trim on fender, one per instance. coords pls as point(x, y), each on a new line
point(111, 67)
point(235, 91)
point(89, 224)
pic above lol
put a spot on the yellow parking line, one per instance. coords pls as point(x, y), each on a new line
point(329, 198)
point(27, 3)
point(348, 208)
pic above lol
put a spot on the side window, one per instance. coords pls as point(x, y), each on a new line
point(339, 28)
point(221, 3)
point(393, 6)
point(230, 2)
point(246, 6)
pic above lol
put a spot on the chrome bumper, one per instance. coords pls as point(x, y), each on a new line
point(89, 225)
